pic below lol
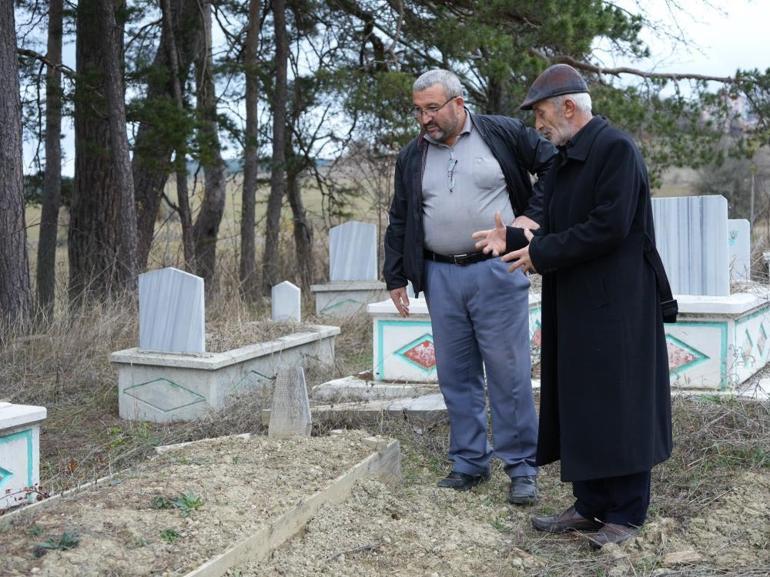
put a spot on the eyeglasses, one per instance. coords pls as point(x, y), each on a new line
point(431, 111)
point(451, 172)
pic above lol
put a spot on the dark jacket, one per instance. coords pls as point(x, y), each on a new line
point(519, 151)
point(605, 406)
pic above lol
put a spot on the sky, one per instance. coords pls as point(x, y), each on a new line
point(722, 36)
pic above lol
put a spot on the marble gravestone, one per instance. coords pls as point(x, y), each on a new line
point(353, 252)
point(691, 236)
point(286, 301)
point(171, 312)
point(19, 453)
point(739, 240)
point(290, 410)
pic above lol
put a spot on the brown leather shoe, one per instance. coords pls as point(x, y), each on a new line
point(569, 520)
point(611, 533)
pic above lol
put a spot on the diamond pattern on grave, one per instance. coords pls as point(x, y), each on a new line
point(420, 353)
point(5, 475)
point(682, 356)
point(164, 395)
point(251, 379)
point(536, 339)
point(762, 339)
point(748, 348)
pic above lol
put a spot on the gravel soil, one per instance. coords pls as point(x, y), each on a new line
point(132, 526)
point(418, 530)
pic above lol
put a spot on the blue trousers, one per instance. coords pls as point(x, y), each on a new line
point(480, 319)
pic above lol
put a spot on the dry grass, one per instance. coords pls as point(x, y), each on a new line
point(66, 368)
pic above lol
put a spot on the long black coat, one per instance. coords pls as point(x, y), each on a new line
point(605, 407)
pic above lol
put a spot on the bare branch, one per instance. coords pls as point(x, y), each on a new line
point(44, 59)
point(618, 70)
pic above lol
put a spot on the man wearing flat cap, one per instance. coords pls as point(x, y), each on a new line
point(605, 407)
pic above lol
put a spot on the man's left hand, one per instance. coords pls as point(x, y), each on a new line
point(520, 259)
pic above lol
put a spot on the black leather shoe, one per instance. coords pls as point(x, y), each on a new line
point(523, 490)
point(611, 533)
point(462, 481)
point(569, 520)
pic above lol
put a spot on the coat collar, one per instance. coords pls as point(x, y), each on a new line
point(578, 147)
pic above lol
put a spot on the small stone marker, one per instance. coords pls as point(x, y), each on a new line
point(286, 300)
point(171, 312)
point(290, 411)
point(739, 240)
point(353, 252)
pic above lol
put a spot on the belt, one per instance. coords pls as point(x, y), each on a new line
point(461, 259)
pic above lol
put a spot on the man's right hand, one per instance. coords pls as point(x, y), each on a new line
point(400, 298)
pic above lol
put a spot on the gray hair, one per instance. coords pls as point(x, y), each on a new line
point(445, 78)
point(582, 101)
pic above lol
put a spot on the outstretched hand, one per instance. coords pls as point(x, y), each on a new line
point(493, 239)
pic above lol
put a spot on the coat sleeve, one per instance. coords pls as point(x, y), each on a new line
point(538, 155)
point(393, 268)
point(616, 197)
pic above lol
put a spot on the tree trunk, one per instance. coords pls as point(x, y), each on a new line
point(125, 272)
point(303, 233)
point(270, 263)
point(206, 227)
point(15, 292)
point(180, 161)
point(49, 220)
point(248, 268)
point(99, 240)
point(153, 145)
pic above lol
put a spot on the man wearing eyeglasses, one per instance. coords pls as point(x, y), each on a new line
point(450, 181)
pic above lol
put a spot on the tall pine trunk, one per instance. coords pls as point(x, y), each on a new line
point(303, 233)
point(180, 160)
point(49, 220)
point(153, 146)
point(101, 222)
point(206, 228)
point(15, 291)
point(270, 265)
point(125, 272)
point(248, 264)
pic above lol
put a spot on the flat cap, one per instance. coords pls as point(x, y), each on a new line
point(554, 81)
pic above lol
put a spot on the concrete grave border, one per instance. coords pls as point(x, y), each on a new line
point(166, 387)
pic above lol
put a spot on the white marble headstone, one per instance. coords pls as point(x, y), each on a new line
point(171, 312)
point(691, 236)
point(353, 252)
point(286, 300)
point(290, 410)
point(739, 242)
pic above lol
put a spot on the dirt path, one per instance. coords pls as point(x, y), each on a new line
point(416, 530)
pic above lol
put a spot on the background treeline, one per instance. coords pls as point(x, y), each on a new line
point(294, 92)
